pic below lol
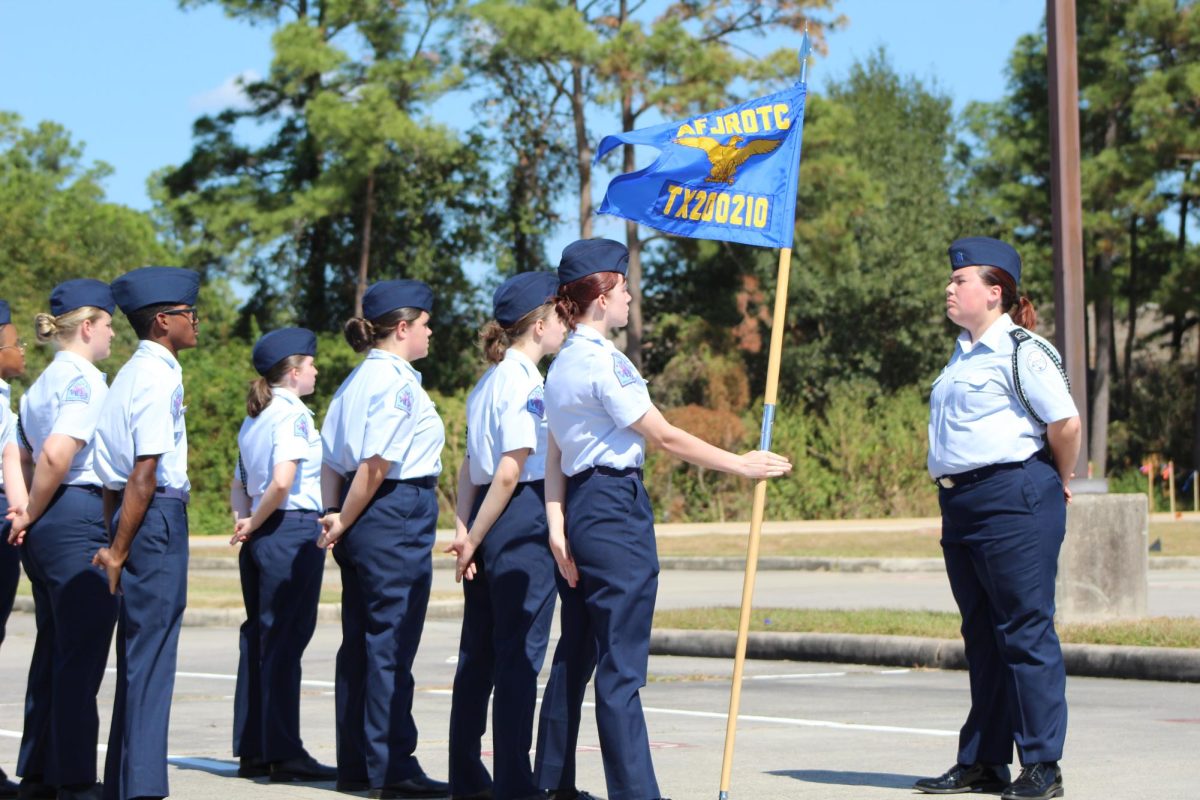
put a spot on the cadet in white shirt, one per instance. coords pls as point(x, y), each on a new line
point(12, 482)
point(600, 417)
point(141, 458)
point(501, 544)
point(276, 497)
point(60, 530)
point(1004, 435)
point(383, 442)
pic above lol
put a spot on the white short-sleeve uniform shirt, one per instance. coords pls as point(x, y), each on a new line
point(381, 410)
point(143, 415)
point(506, 411)
point(66, 399)
point(593, 395)
point(975, 418)
point(283, 431)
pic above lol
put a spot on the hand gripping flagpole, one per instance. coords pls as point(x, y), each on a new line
point(760, 488)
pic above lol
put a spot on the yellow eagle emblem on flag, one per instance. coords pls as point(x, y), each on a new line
point(726, 158)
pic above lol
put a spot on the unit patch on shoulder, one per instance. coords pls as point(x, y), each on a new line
point(78, 391)
point(536, 404)
point(405, 399)
point(1038, 361)
point(177, 401)
point(300, 428)
point(624, 370)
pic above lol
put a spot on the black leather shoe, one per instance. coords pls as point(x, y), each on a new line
point(301, 768)
point(252, 767)
point(349, 785)
point(962, 778)
point(419, 786)
point(36, 790)
point(572, 794)
point(1040, 781)
point(7, 788)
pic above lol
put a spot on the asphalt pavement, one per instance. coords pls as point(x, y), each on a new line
point(806, 730)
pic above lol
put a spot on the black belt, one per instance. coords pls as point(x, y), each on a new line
point(539, 482)
point(297, 513)
point(424, 482)
point(611, 472)
point(168, 492)
point(976, 475)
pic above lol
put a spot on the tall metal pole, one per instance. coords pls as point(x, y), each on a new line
point(1067, 213)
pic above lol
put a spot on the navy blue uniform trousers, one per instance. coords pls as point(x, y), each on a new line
point(1000, 538)
point(508, 609)
point(153, 596)
point(281, 569)
point(75, 615)
point(10, 568)
point(611, 529)
point(387, 569)
point(562, 701)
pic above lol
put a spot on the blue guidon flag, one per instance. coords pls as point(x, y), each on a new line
point(728, 175)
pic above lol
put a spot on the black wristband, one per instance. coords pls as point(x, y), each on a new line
point(330, 510)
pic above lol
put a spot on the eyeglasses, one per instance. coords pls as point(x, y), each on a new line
point(190, 311)
point(20, 345)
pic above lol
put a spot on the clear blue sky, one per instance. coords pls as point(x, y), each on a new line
point(128, 77)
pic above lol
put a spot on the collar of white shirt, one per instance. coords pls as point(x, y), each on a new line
point(76, 359)
point(287, 394)
point(386, 356)
point(155, 349)
point(513, 354)
point(588, 332)
point(995, 338)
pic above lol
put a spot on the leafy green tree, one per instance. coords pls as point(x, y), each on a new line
point(352, 183)
point(56, 225)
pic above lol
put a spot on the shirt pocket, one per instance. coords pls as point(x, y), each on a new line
point(977, 395)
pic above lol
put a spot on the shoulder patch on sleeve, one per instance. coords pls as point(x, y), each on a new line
point(300, 427)
point(624, 370)
point(405, 399)
point(536, 404)
point(78, 391)
point(177, 401)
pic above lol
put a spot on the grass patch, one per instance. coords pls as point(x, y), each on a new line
point(1151, 632)
point(1178, 539)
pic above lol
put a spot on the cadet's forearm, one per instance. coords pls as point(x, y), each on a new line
point(139, 492)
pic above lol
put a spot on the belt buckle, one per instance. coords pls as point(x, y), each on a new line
point(946, 482)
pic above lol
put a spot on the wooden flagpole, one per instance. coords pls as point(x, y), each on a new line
point(775, 356)
point(756, 517)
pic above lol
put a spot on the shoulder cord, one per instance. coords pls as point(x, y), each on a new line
point(242, 472)
point(1020, 336)
point(21, 434)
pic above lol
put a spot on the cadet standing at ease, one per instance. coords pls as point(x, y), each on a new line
point(141, 456)
point(383, 441)
point(276, 497)
point(60, 530)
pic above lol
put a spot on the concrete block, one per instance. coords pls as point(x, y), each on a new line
point(1104, 562)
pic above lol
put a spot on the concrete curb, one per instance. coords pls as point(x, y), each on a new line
point(766, 563)
point(1096, 661)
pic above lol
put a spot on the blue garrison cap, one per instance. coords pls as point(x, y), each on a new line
point(273, 347)
point(5, 313)
point(521, 294)
point(148, 286)
point(386, 296)
point(984, 251)
point(589, 256)
point(70, 295)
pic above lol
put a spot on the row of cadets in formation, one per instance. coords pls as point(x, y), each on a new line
point(102, 459)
